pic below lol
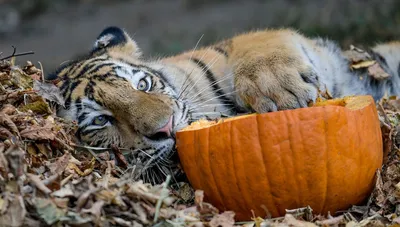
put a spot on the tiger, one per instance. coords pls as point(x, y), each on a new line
point(120, 98)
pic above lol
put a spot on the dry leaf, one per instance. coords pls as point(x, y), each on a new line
point(15, 160)
point(15, 213)
point(226, 219)
point(95, 209)
point(356, 54)
point(39, 106)
point(60, 164)
point(63, 192)
point(377, 72)
point(38, 183)
point(36, 132)
point(20, 79)
point(363, 64)
point(48, 210)
point(49, 91)
point(6, 121)
point(291, 221)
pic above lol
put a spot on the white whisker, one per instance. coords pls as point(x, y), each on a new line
point(210, 105)
point(191, 56)
point(214, 59)
point(188, 75)
point(215, 97)
point(206, 95)
point(226, 77)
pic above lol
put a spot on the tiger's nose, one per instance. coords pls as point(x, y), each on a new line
point(164, 132)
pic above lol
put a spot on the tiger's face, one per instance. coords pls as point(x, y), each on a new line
point(120, 100)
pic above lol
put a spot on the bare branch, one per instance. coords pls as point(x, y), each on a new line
point(16, 55)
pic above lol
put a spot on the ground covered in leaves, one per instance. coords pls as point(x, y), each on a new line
point(45, 180)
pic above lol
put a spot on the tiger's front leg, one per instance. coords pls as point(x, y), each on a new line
point(275, 76)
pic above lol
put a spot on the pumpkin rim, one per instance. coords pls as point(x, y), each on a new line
point(351, 103)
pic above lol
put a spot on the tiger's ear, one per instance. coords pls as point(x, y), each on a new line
point(116, 39)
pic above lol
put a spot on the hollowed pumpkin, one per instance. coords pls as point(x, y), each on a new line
point(323, 156)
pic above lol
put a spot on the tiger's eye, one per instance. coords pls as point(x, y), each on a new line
point(100, 120)
point(143, 85)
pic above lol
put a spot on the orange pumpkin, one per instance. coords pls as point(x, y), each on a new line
point(323, 156)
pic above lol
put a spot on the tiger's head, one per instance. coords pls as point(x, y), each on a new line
point(119, 99)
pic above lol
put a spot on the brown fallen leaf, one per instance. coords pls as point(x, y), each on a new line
point(15, 160)
point(20, 79)
point(205, 209)
point(5, 133)
point(122, 222)
point(15, 213)
point(83, 198)
point(95, 209)
point(292, 221)
point(36, 132)
point(6, 121)
point(226, 219)
point(8, 109)
point(60, 164)
point(379, 192)
point(121, 161)
point(49, 91)
point(356, 54)
point(377, 72)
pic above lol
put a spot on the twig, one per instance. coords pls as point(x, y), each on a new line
point(384, 113)
point(38, 183)
point(65, 180)
point(94, 155)
point(50, 179)
point(16, 55)
point(41, 68)
point(121, 161)
point(163, 195)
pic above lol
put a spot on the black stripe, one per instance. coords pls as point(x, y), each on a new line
point(89, 64)
point(78, 105)
point(210, 76)
point(73, 69)
point(85, 70)
point(162, 76)
point(221, 51)
point(64, 85)
point(153, 83)
point(68, 92)
point(97, 68)
point(89, 90)
point(378, 57)
point(82, 117)
point(398, 70)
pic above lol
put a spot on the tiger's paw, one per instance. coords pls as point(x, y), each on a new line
point(276, 88)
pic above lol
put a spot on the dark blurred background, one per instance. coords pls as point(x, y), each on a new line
point(58, 30)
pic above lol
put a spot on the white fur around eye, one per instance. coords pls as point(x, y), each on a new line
point(95, 127)
point(127, 72)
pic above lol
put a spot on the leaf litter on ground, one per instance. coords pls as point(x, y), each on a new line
point(45, 180)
